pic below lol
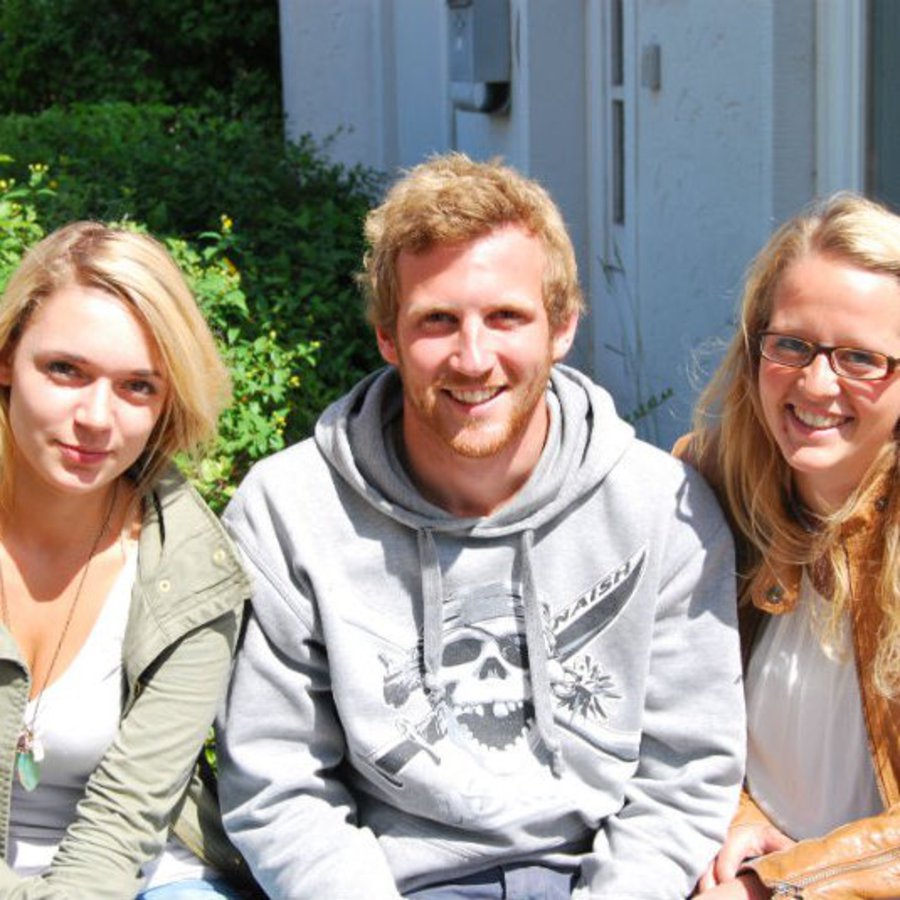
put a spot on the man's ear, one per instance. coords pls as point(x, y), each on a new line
point(387, 345)
point(562, 338)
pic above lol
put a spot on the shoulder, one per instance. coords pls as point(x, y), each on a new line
point(666, 497)
point(297, 467)
point(280, 515)
point(659, 475)
point(282, 488)
point(175, 513)
point(189, 571)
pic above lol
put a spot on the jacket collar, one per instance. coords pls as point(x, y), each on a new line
point(776, 587)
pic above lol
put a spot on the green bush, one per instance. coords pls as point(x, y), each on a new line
point(296, 218)
point(163, 164)
point(218, 53)
point(264, 373)
point(19, 226)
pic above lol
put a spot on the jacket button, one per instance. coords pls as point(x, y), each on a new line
point(219, 556)
point(775, 594)
point(165, 586)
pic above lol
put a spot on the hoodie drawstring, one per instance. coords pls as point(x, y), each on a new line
point(432, 612)
point(537, 659)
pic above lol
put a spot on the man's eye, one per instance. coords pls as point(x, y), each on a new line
point(507, 315)
point(437, 318)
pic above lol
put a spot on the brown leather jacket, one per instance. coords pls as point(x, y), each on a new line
point(860, 859)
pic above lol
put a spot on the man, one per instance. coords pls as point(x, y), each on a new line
point(493, 650)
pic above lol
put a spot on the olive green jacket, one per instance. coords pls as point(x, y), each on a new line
point(185, 616)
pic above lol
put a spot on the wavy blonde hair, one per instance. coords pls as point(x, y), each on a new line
point(735, 448)
point(138, 270)
point(452, 199)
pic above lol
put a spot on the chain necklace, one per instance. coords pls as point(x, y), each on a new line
point(29, 748)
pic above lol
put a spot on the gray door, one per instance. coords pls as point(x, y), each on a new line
point(883, 157)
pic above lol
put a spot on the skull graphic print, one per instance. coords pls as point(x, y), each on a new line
point(484, 708)
point(485, 672)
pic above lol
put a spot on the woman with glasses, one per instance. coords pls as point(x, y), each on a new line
point(798, 433)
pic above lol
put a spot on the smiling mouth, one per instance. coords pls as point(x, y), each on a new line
point(815, 420)
point(472, 397)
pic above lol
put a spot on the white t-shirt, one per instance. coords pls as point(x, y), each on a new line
point(77, 720)
point(808, 762)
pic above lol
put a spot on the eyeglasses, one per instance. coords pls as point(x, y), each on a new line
point(848, 362)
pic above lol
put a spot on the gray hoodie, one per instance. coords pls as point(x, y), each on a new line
point(421, 696)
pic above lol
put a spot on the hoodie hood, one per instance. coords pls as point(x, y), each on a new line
point(358, 436)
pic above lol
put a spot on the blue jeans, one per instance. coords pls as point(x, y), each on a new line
point(191, 889)
point(521, 882)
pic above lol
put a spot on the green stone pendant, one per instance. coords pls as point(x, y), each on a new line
point(28, 769)
point(29, 753)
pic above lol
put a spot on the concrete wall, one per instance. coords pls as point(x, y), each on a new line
point(368, 77)
point(333, 75)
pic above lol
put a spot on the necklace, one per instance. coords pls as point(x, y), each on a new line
point(29, 748)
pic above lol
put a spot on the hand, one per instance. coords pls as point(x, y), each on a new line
point(743, 842)
point(744, 887)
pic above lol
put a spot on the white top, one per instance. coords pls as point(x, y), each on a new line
point(77, 720)
point(808, 762)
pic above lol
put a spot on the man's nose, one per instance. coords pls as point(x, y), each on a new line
point(474, 355)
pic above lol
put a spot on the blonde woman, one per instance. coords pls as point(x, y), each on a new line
point(120, 596)
point(798, 433)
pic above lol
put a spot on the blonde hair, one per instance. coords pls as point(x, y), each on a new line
point(451, 199)
point(735, 448)
point(139, 271)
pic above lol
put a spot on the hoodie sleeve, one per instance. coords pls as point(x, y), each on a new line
point(281, 745)
point(685, 789)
